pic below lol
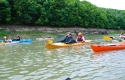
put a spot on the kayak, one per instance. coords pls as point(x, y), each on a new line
point(107, 47)
point(8, 43)
point(1, 40)
point(25, 41)
point(39, 39)
point(13, 42)
point(63, 45)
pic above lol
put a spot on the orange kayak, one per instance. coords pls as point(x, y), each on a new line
point(107, 47)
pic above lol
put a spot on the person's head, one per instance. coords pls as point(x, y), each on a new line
point(68, 78)
point(80, 34)
point(69, 34)
point(122, 33)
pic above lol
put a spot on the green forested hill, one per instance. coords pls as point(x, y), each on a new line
point(60, 13)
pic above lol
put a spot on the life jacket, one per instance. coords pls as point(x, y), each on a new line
point(18, 37)
point(79, 38)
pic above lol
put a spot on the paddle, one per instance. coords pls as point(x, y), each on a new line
point(2, 43)
point(4, 38)
point(50, 41)
point(107, 38)
point(87, 41)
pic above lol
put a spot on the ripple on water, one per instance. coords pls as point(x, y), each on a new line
point(22, 72)
point(16, 77)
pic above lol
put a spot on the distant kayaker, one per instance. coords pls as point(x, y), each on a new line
point(122, 36)
point(4, 39)
point(68, 39)
point(80, 37)
point(9, 40)
point(17, 38)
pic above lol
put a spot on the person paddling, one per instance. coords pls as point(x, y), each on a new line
point(68, 39)
point(9, 40)
point(80, 37)
point(122, 36)
point(17, 38)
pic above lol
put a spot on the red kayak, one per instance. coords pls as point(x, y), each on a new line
point(108, 47)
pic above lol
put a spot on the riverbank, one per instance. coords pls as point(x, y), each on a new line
point(46, 29)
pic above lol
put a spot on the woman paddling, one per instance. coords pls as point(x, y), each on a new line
point(80, 37)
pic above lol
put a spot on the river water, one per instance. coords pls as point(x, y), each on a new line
point(35, 62)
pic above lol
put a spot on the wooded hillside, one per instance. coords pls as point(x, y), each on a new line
point(60, 13)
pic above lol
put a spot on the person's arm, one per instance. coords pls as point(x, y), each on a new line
point(83, 38)
point(63, 40)
point(10, 41)
point(121, 36)
point(70, 40)
point(77, 39)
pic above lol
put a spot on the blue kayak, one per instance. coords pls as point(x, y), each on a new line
point(1, 40)
point(25, 41)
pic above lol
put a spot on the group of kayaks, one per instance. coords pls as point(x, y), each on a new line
point(94, 47)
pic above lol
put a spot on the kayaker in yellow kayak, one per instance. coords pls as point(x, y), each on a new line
point(68, 39)
point(80, 37)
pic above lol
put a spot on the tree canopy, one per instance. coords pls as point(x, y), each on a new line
point(60, 13)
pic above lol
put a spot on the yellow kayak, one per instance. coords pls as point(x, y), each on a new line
point(63, 45)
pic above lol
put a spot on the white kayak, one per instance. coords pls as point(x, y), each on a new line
point(13, 42)
point(40, 39)
point(9, 43)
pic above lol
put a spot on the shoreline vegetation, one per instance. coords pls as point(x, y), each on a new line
point(60, 13)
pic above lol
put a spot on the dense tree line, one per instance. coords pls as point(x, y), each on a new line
point(60, 13)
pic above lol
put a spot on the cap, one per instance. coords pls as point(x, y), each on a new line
point(69, 33)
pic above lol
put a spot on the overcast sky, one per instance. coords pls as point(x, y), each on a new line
point(114, 4)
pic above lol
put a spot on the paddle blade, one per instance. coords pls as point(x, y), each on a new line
point(50, 41)
point(2, 43)
point(119, 40)
point(106, 38)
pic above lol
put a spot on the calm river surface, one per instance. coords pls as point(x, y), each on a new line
point(35, 62)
